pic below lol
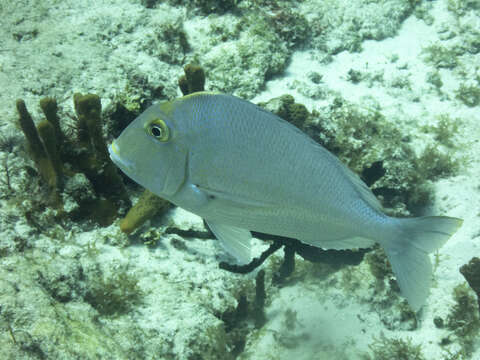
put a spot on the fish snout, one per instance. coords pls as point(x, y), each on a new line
point(115, 156)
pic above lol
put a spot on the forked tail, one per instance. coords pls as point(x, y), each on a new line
point(408, 251)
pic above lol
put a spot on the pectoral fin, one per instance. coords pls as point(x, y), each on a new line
point(233, 239)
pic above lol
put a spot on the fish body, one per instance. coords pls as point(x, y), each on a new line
point(243, 169)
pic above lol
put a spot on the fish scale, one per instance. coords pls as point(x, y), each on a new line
point(245, 169)
point(283, 155)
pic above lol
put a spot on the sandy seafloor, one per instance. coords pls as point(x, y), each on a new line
point(118, 49)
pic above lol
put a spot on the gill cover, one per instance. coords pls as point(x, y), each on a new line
point(149, 152)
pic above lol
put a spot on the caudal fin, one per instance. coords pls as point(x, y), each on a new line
point(408, 253)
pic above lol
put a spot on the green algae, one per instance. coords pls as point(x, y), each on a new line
point(394, 348)
point(9, 143)
point(460, 7)
point(202, 6)
point(115, 294)
point(468, 94)
point(379, 266)
point(440, 56)
point(463, 319)
point(471, 273)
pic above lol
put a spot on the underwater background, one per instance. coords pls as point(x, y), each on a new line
point(390, 87)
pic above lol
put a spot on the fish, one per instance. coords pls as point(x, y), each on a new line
point(242, 168)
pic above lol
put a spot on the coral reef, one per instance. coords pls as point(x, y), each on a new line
point(286, 107)
point(247, 313)
point(38, 151)
point(148, 205)
point(469, 94)
point(286, 19)
point(179, 305)
point(86, 153)
point(287, 267)
point(374, 148)
point(379, 266)
point(399, 349)
point(97, 166)
point(460, 7)
point(9, 142)
point(247, 50)
point(440, 56)
point(202, 6)
point(464, 319)
point(115, 294)
point(337, 26)
point(259, 304)
point(292, 247)
point(193, 80)
point(471, 273)
point(167, 39)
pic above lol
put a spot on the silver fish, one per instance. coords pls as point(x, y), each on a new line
point(244, 169)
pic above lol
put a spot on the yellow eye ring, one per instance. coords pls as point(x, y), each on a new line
point(159, 130)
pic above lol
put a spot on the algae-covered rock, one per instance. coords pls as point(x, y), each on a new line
point(464, 319)
point(114, 294)
point(286, 18)
point(440, 56)
point(78, 191)
point(166, 38)
point(204, 7)
point(337, 25)
point(242, 67)
point(44, 320)
point(207, 6)
point(394, 348)
point(375, 148)
point(469, 94)
point(286, 107)
point(62, 281)
point(242, 52)
point(471, 273)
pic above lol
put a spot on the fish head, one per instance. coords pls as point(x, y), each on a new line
point(151, 151)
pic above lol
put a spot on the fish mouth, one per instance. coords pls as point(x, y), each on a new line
point(114, 151)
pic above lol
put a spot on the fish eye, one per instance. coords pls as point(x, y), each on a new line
point(159, 130)
point(156, 131)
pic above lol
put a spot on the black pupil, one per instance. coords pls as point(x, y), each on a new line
point(156, 131)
